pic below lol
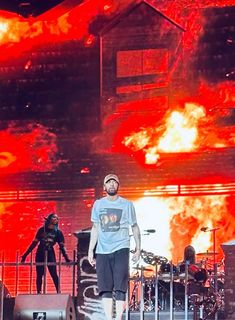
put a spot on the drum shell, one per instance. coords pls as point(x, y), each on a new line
point(199, 274)
point(165, 268)
point(182, 270)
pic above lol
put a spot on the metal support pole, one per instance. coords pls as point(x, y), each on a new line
point(59, 273)
point(17, 273)
point(186, 293)
point(31, 273)
point(127, 301)
point(156, 313)
point(171, 291)
point(216, 287)
point(201, 316)
point(142, 294)
point(45, 272)
point(214, 246)
point(2, 289)
point(74, 272)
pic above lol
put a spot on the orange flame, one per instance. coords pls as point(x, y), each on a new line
point(178, 222)
point(180, 134)
point(6, 158)
point(181, 130)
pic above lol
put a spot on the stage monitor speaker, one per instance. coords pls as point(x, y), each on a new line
point(44, 307)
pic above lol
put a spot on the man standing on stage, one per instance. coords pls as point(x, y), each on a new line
point(112, 216)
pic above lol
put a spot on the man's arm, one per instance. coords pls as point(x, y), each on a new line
point(92, 244)
point(137, 238)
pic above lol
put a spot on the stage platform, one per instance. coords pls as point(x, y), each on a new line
point(133, 315)
point(163, 315)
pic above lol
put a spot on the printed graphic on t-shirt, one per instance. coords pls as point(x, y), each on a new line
point(110, 219)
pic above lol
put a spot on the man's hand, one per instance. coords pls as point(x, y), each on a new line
point(91, 258)
point(137, 238)
point(136, 256)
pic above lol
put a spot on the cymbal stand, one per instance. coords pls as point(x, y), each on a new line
point(200, 307)
point(197, 307)
point(214, 247)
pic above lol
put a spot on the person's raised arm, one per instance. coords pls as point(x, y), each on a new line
point(92, 244)
point(137, 238)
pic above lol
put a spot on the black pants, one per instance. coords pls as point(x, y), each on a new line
point(40, 257)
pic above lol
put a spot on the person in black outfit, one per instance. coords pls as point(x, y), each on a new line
point(46, 237)
point(189, 255)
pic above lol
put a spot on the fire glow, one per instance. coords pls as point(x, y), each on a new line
point(178, 222)
point(186, 130)
point(19, 35)
point(180, 134)
point(181, 130)
point(34, 149)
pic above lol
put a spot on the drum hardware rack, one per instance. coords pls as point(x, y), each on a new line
point(198, 290)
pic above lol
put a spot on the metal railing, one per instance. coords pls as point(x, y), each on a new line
point(197, 301)
point(17, 265)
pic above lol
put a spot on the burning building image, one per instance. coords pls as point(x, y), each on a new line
point(140, 88)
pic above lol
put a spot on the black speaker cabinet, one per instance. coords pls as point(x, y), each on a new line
point(44, 307)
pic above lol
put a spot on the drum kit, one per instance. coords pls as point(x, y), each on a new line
point(159, 282)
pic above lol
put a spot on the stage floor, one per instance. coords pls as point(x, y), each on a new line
point(133, 315)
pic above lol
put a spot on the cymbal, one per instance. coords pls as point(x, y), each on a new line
point(160, 259)
point(142, 268)
point(207, 253)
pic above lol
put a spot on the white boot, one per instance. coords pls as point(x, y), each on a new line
point(120, 307)
point(108, 307)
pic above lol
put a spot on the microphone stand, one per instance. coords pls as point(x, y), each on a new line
point(213, 230)
point(215, 267)
point(215, 277)
point(214, 247)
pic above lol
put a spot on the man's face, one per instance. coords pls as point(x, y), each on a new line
point(111, 187)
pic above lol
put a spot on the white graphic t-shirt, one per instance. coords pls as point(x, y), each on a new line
point(114, 219)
